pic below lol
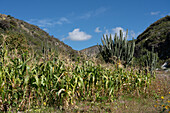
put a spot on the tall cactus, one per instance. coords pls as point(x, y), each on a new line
point(151, 60)
point(49, 49)
point(119, 48)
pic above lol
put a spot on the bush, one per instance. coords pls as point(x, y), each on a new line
point(4, 24)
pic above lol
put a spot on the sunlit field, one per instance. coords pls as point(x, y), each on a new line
point(31, 83)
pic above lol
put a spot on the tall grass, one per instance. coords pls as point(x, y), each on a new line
point(27, 81)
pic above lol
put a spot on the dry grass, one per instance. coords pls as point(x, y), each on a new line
point(125, 103)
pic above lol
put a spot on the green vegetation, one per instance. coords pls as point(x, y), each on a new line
point(28, 82)
point(162, 104)
point(151, 61)
point(120, 48)
point(38, 73)
point(32, 37)
point(16, 41)
point(157, 35)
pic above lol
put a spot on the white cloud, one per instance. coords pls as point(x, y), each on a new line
point(48, 22)
point(132, 34)
point(116, 30)
point(62, 20)
point(86, 15)
point(93, 13)
point(106, 30)
point(100, 11)
point(97, 30)
point(155, 13)
point(41, 22)
point(77, 35)
point(158, 13)
point(45, 29)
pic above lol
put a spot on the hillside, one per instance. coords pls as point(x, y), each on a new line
point(35, 37)
point(91, 51)
point(157, 35)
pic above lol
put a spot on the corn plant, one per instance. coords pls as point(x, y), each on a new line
point(28, 82)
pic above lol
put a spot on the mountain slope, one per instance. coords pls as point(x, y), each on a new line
point(157, 35)
point(91, 51)
point(36, 37)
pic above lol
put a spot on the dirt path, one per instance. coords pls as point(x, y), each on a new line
point(163, 74)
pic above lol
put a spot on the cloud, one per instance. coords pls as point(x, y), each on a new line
point(158, 13)
point(48, 22)
point(77, 35)
point(45, 29)
point(155, 13)
point(62, 20)
point(41, 22)
point(116, 30)
point(93, 13)
point(86, 15)
point(97, 30)
point(100, 11)
point(132, 34)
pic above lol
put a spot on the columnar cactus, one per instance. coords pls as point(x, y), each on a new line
point(49, 49)
point(151, 60)
point(119, 48)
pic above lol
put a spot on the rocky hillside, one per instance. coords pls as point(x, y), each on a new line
point(157, 35)
point(35, 37)
point(91, 51)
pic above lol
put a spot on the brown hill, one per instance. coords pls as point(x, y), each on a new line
point(36, 37)
point(91, 51)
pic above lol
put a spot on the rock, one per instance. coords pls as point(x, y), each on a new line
point(166, 65)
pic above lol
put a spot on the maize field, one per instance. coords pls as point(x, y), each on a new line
point(27, 81)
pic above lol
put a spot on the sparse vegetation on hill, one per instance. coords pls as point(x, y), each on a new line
point(36, 38)
point(91, 51)
point(157, 35)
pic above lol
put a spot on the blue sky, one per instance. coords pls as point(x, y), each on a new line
point(81, 23)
